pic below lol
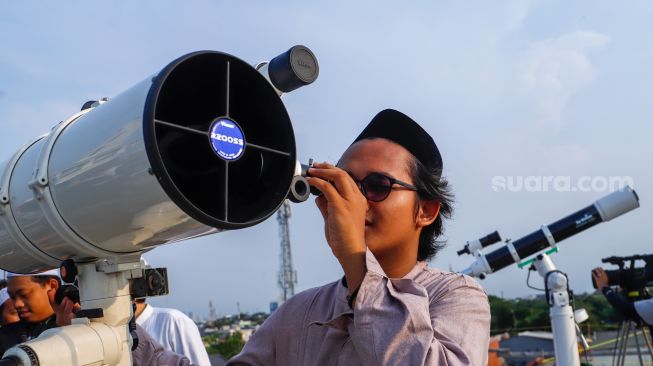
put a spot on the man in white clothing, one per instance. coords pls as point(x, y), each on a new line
point(174, 330)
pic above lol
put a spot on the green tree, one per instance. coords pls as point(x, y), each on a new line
point(503, 318)
point(516, 315)
point(230, 346)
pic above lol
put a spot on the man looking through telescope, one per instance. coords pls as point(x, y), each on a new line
point(383, 208)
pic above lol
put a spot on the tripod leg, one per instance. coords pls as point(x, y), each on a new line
point(617, 344)
point(639, 350)
point(626, 339)
point(624, 349)
point(647, 339)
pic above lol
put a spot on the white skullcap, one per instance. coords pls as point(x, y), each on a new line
point(52, 272)
point(4, 296)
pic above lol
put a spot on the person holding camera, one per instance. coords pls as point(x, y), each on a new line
point(638, 311)
point(383, 206)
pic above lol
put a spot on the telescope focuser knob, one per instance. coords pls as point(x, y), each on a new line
point(305, 167)
point(68, 271)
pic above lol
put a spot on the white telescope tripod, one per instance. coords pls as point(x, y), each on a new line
point(563, 320)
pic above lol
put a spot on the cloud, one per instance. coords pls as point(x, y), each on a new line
point(565, 159)
point(553, 70)
point(24, 122)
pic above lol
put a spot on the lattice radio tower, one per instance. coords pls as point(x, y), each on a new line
point(287, 275)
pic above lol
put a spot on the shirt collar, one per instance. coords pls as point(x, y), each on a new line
point(145, 315)
point(374, 266)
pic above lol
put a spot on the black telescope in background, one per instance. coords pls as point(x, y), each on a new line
point(604, 209)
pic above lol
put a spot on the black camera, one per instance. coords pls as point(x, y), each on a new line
point(153, 283)
point(630, 278)
point(69, 291)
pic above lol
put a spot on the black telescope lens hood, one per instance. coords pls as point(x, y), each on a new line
point(219, 140)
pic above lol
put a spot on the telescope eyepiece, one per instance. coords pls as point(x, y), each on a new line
point(476, 245)
point(300, 190)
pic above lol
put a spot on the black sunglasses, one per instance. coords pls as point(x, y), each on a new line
point(377, 186)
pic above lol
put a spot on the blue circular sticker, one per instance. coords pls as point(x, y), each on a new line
point(227, 139)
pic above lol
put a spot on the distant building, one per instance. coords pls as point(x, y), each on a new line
point(526, 346)
point(213, 316)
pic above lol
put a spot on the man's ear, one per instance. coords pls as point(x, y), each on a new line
point(53, 285)
point(427, 213)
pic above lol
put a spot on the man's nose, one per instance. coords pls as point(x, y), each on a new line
point(18, 303)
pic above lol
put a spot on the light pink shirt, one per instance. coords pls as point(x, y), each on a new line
point(429, 317)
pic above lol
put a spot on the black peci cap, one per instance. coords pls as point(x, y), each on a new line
point(398, 127)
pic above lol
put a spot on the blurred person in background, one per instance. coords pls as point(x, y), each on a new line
point(638, 311)
point(174, 330)
point(7, 309)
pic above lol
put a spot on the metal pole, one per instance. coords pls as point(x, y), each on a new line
point(287, 275)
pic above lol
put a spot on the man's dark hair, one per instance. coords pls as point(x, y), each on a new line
point(431, 186)
point(43, 280)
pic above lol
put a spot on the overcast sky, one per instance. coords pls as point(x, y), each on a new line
point(507, 89)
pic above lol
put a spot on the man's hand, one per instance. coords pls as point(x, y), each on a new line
point(600, 278)
point(343, 208)
point(65, 311)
